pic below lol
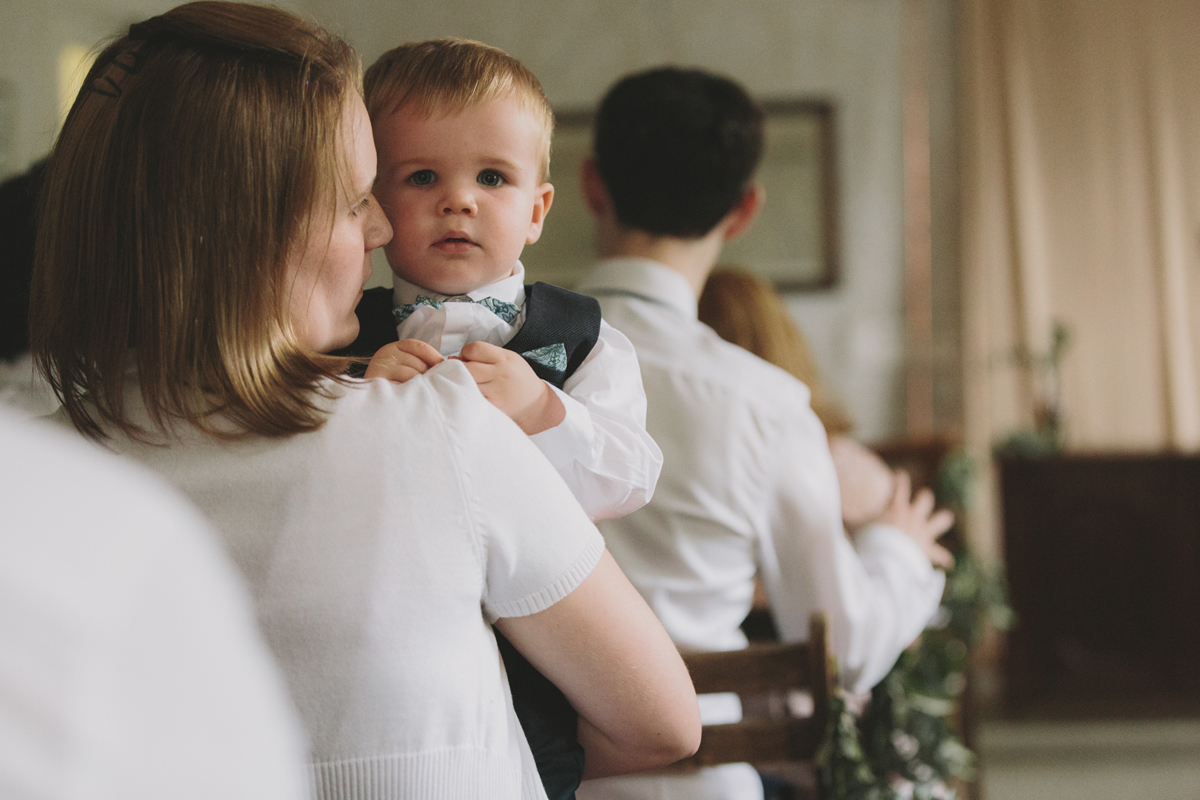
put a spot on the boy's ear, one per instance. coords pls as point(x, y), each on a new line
point(738, 220)
point(595, 193)
point(543, 198)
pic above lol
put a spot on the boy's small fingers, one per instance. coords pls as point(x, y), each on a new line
point(481, 371)
point(424, 351)
point(482, 351)
point(404, 374)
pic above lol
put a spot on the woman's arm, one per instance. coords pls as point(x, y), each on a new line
point(604, 648)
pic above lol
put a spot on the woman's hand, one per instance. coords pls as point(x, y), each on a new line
point(403, 360)
point(916, 518)
point(604, 648)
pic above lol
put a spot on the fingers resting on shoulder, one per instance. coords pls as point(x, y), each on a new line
point(403, 360)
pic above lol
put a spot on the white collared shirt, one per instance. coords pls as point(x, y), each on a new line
point(601, 448)
point(748, 486)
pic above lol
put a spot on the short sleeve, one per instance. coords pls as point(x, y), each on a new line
point(535, 541)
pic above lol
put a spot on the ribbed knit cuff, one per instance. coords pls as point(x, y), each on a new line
point(549, 595)
point(463, 773)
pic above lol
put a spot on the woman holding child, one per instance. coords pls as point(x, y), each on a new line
point(206, 231)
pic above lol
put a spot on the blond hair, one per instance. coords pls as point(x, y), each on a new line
point(746, 310)
point(185, 176)
point(452, 75)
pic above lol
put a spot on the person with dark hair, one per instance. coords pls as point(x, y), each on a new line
point(21, 388)
point(18, 232)
point(748, 486)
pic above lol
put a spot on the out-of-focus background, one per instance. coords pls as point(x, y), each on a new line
point(985, 217)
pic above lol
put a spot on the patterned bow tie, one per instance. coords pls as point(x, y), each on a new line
point(505, 311)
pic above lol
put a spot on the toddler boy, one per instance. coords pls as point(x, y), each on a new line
point(463, 136)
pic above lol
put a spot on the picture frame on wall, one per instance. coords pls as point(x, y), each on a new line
point(794, 239)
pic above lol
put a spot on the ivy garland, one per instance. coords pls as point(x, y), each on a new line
point(903, 746)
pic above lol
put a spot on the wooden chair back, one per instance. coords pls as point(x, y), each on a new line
point(772, 670)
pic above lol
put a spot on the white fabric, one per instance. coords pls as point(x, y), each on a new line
point(457, 323)
point(601, 448)
point(130, 668)
point(378, 547)
point(748, 486)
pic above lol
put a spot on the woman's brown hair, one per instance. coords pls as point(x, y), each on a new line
point(746, 310)
point(186, 173)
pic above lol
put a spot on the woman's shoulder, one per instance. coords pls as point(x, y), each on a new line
point(447, 390)
point(442, 408)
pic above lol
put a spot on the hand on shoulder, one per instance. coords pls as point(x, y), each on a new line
point(510, 384)
point(403, 360)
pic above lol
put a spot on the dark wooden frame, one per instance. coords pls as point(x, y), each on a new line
point(581, 120)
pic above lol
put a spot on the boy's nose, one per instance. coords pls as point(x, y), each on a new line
point(459, 201)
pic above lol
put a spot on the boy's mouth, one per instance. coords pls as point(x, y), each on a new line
point(454, 242)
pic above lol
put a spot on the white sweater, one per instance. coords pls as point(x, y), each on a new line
point(378, 548)
point(130, 668)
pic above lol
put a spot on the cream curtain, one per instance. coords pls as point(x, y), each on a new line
point(1081, 204)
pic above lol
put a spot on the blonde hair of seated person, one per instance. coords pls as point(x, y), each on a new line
point(745, 310)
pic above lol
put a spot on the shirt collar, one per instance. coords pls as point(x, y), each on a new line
point(510, 290)
point(642, 277)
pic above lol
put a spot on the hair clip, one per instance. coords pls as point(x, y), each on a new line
point(128, 61)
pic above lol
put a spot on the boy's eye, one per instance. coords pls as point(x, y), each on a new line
point(489, 177)
point(422, 177)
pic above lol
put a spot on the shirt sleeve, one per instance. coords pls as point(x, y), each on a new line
point(878, 593)
point(601, 449)
point(536, 544)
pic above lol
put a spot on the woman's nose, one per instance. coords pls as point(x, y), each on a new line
point(379, 228)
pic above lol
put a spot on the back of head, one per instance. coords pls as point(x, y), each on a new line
point(677, 149)
point(745, 310)
point(450, 75)
point(187, 170)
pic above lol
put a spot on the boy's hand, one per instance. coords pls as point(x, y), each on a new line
point(402, 361)
point(509, 383)
point(916, 518)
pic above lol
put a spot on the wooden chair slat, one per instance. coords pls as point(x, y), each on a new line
point(758, 668)
point(758, 742)
point(772, 670)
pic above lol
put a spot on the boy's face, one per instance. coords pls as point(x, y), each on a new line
point(462, 193)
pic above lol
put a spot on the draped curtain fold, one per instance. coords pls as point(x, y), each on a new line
point(1081, 206)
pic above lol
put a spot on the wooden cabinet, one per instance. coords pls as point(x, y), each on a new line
point(1103, 558)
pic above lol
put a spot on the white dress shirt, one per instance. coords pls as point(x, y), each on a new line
point(748, 487)
point(601, 448)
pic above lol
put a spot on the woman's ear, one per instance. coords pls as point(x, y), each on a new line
point(738, 220)
point(595, 193)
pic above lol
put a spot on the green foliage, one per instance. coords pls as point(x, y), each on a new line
point(904, 746)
